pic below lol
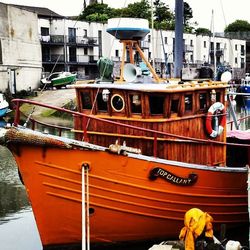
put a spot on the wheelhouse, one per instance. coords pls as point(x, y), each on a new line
point(177, 109)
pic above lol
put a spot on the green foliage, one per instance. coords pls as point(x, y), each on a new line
point(163, 17)
point(203, 31)
point(139, 10)
point(97, 12)
point(237, 26)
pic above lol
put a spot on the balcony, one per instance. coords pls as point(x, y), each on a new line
point(72, 59)
point(70, 40)
point(218, 52)
point(144, 45)
point(53, 58)
point(188, 48)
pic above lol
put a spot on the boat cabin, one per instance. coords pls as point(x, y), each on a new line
point(177, 111)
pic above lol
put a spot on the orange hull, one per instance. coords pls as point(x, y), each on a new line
point(125, 204)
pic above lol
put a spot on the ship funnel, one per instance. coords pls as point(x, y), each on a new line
point(131, 72)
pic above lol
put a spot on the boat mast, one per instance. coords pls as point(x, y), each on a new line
point(178, 52)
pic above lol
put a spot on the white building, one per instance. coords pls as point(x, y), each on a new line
point(35, 40)
point(20, 49)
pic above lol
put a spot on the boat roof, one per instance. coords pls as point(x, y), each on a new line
point(173, 86)
point(239, 134)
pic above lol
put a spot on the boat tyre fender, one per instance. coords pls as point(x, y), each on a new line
point(217, 106)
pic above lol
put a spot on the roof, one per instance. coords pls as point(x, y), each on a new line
point(239, 134)
point(41, 11)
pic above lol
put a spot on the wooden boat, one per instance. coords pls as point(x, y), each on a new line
point(58, 79)
point(149, 152)
point(4, 105)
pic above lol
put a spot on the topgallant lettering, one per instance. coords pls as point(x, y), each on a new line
point(170, 177)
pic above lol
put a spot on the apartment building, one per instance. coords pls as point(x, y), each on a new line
point(20, 50)
point(49, 42)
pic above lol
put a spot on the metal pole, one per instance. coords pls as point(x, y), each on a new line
point(83, 210)
point(152, 36)
point(179, 7)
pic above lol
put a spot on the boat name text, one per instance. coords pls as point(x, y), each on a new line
point(174, 179)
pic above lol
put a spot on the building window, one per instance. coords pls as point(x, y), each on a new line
point(149, 38)
point(1, 55)
point(166, 40)
point(191, 58)
point(85, 51)
point(117, 53)
point(72, 35)
point(236, 60)
point(242, 64)
point(191, 42)
point(236, 47)
point(85, 33)
point(205, 44)
point(242, 50)
point(44, 31)
point(72, 54)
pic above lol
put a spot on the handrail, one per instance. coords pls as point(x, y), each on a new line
point(155, 132)
point(239, 120)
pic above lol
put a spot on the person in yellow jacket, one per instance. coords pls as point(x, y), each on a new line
point(196, 222)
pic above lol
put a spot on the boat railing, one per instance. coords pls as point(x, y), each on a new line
point(156, 135)
point(239, 120)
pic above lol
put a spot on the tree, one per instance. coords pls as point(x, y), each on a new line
point(237, 26)
point(187, 15)
point(96, 12)
point(203, 31)
point(138, 10)
point(164, 18)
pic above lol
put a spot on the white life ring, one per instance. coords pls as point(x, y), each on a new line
point(217, 106)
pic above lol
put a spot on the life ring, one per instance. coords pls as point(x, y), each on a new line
point(217, 106)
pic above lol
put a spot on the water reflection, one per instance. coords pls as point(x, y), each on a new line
point(17, 224)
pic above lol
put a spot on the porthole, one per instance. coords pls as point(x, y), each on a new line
point(117, 103)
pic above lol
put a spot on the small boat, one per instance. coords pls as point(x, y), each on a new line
point(144, 153)
point(4, 105)
point(58, 80)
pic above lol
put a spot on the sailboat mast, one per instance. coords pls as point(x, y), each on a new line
point(178, 52)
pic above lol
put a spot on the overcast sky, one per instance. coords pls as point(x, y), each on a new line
point(225, 11)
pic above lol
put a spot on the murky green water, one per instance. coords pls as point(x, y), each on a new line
point(18, 229)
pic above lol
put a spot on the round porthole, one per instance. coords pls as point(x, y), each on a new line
point(117, 103)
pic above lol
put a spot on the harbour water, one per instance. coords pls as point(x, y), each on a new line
point(18, 229)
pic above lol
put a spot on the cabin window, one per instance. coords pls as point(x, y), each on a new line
point(156, 104)
point(218, 96)
point(203, 100)
point(188, 103)
point(101, 104)
point(174, 106)
point(135, 104)
point(86, 100)
point(117, 103)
